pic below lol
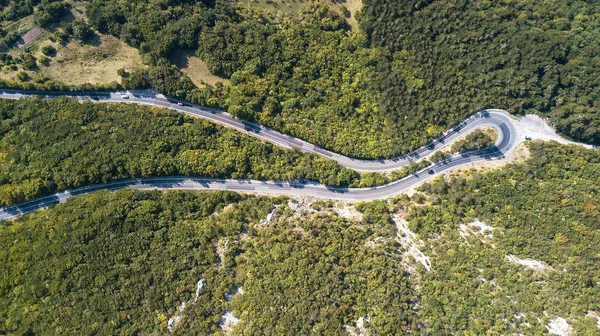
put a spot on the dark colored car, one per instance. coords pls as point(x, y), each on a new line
point(430, 172)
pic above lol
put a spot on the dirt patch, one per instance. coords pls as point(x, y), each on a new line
point(348, 211)
point(77, 63)
point(538, 266)
point(344, 8)
point(477, 228)
point(353, 7)
point(358, 329)
point(537, 128)
point(94, 64)
point(413, 254)
point(286, 7)
point(228, 321)
point(195, 68)
point(518, 155)
point(560, 326)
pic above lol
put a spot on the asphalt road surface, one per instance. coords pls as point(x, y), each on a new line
point(497, 119)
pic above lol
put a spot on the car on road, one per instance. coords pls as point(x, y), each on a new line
point(528, 138)
point(430, 172)
point(125, 96)
point(180, 104)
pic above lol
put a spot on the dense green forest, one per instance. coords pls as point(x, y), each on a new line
point(523, 56)
point(48, 145)
point(548, 210)
point(309, 79)
point(122, 263)
point(415, 69)
point(56, 144)
point(430, 64)
point(11, 10)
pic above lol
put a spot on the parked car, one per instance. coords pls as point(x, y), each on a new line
point(180, 104)
point(528, 138)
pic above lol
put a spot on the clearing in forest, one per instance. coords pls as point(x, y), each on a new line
point(345, 8)
point(195, 68)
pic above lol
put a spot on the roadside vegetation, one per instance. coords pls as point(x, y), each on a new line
point(57, 144)
point(123, 262)
point(414, 70)
point(510, 251)
point(545, 213)
point(49, 145)
point(475, 140)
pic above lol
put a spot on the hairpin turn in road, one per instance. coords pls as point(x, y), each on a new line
point(498, 119)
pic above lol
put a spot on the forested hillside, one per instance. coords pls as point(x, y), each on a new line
point(56, 144)
point(540, 259)
point(511, 251)
point(123, 263)
point(310, 79)
point(524, 56)
point(430, 64)
point(415, 69)
point(15, 9)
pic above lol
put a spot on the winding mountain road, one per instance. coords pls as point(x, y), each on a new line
point(498, 119)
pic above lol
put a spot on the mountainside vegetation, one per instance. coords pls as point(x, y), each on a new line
point(515, 248)
point(309, 79)
point(415, 69)
point(510, 251)
point(421, 67)
point(48, 145)
point(522, 56)
point(123, 263)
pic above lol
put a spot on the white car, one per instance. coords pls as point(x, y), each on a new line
point(125, 96)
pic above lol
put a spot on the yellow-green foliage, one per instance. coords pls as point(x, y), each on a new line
point(58, 144)
point(122, 263)
point(546, 209)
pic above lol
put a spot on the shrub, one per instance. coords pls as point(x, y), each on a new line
point(61, 36)
point(22, 76)
point(123, 73)
point(49, 50)
point(82, 31)
point(44, 60)
point(28, 62)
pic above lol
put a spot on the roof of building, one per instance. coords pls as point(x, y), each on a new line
point(28, 37)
